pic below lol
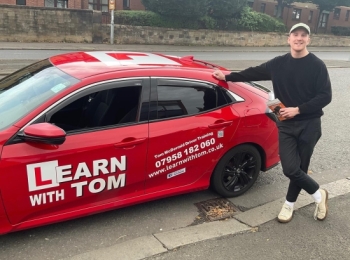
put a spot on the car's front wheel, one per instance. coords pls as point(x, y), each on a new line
point(237, 171)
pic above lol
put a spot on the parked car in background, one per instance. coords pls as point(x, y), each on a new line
point(86, 132)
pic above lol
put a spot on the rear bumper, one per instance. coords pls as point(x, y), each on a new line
point(270, 167)
point(272, 116)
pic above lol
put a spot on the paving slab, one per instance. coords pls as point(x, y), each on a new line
point(135, 249)
point(184, 236)
point(261, 214)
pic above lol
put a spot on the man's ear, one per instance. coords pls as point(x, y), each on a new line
point(309, 41)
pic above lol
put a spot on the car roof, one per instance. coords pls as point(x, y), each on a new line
point(89, 63)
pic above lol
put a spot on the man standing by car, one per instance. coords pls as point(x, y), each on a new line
point(301, 82)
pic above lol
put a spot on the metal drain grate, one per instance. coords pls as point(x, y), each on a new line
point(216, 209)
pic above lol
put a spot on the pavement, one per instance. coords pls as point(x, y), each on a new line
point(303, 238)
point(183, 242)
point(247, 229)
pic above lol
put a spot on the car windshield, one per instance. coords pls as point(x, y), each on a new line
point(28, 88)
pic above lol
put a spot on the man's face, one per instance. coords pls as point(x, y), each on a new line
point(299, 39)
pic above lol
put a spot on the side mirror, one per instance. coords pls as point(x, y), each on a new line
point(44, 133)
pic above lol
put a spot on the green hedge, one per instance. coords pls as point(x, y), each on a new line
point(148, 18)
point(178, 8)
point(340, 31)
point(248, 21)
point(255, 21)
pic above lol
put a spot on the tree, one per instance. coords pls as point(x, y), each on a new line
point(225, 9)
point(178, 8)
point(344, 2)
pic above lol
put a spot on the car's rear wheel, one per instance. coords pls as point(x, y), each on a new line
point(237, 171)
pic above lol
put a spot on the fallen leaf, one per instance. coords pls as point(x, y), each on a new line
point(255, 229)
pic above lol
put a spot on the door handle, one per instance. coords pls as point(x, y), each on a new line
point(127, 142)
point(220, 124)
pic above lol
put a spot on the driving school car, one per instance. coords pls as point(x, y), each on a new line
point(86, 132)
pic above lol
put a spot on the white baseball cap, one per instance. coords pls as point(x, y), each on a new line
point(300, 25)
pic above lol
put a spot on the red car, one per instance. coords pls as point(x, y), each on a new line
point(86, 132)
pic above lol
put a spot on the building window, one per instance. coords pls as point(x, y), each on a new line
point(126, 4)
point(336, 14)
point(347, 15)
point(99, 5)
point(323, 21)
point(250, 4)
point(56, 3)
point(296, 14)
point(311, 15)
point(275, 11)
point(262, 8)
point(20, 2)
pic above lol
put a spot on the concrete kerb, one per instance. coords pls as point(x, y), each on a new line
point(147, 246)
point(6, 72)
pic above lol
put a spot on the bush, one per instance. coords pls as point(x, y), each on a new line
point(207, 22)
point(340, 31)
point(148, 18)
point(225, 9)
point(138, 18)
point(254, 21)
point(178, 8)
point(248, 21)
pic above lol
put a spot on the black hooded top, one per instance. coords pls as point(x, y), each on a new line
point(302, 82)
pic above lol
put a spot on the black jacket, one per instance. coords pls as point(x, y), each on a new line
point(302, 83)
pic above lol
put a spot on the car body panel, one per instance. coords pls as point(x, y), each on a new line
point(179, 149)
point(117, 166)
point(98, 62)
point(88, 169)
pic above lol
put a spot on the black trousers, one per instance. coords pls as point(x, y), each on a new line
point(297, 140)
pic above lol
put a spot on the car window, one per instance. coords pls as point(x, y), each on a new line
point(230, 96)
point(26, 89)
point(99, 109)
point(177, 100)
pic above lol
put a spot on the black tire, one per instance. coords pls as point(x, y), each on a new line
point(236, 171)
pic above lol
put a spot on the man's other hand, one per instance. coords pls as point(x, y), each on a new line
point(219, 75)
point(289, 112)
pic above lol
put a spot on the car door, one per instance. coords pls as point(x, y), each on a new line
point(190, 125)
point(101, 161)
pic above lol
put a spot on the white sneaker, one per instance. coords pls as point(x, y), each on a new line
point(322, 207)
point(286, 214)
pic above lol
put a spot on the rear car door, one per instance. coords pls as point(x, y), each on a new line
point(101, 161)
point(190, 124)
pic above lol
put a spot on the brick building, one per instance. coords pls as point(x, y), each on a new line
point(72, 4)
point(306, 13)
point(100, 5)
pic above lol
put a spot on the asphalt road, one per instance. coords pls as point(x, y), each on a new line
point(204, 55)
point(330, 162)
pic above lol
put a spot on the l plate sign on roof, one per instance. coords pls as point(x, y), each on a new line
point(115, 58)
